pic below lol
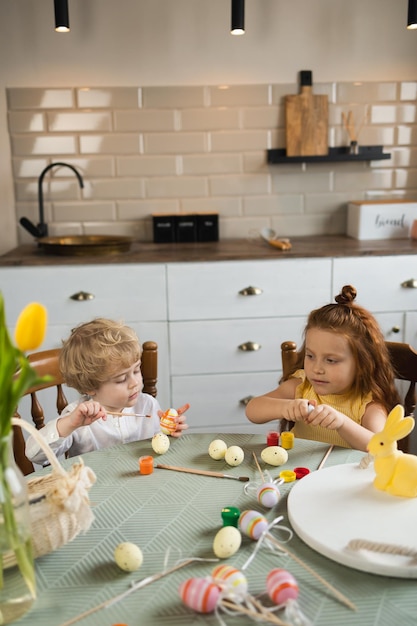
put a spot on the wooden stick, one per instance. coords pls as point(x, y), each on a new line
point(324, 459)
point(115, 599)
point(189, 470)
point(264, 611)
point(324, 582)
point(127, 414)
point(258, 466)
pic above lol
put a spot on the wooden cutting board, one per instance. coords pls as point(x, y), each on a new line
point(307, 118)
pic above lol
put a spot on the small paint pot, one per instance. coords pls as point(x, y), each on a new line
point(146, 464)
point(287, 440)
point(230, 516)
point(272, 438)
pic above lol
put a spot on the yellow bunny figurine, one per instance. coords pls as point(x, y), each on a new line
point(396, 472)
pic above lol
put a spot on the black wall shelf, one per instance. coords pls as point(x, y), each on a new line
point(341, 153)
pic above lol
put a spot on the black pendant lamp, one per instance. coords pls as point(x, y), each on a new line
point(412, 14)
point(61, 16)
point(238, 17)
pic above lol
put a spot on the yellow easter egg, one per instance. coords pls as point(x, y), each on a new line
point(160, 443)
point(274, 455)
point(169, 422)
point(128, 556)
point(226, 542)
point(234, 455)
point(217, 449)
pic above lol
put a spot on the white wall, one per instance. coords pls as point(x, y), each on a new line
point(184, 42)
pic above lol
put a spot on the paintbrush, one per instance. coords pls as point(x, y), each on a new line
point(127, 414)
point(243, 479)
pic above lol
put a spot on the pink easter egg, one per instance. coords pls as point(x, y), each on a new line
point(169, 421)
point(199, 594)
point(252, 524)
point(281, 586)
point(231, 579)
point(268, 495)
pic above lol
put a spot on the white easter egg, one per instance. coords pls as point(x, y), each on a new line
point(226, 542)
point(128, 556)
point(234, 455)
point(217, 449)
point(160, 443)
point(274, 455)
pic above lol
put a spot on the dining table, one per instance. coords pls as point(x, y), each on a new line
point(174, 516)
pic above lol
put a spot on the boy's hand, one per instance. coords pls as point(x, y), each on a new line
point(83, 415)
point(181, 425)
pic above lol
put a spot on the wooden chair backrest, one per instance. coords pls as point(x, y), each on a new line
point(47, 363)
point(404, 361)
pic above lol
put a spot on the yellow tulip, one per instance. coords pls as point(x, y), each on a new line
point(31, 327)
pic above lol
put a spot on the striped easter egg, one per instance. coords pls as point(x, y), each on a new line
point(230, 579)
point(199, 594)
point(169, 422)
point(268, 495)
point(252, 524)
point(281, 586)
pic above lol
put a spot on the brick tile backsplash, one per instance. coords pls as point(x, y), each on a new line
point(174, 149)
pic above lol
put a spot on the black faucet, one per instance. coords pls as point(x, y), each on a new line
point(41, 230)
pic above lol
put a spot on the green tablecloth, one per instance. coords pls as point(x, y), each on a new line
point(182, 513)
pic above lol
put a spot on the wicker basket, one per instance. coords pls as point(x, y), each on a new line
point(59, 504)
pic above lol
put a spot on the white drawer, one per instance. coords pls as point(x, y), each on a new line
point(378, 281)
point(213, 347)
point(120, 291)
point(212, 290)
point(216, 401)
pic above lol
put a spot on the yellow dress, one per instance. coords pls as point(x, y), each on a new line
point(352, 406)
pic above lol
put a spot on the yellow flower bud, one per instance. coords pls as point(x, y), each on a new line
point(31, 327)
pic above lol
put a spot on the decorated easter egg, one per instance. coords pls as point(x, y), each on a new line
point(169, 421)
point(217, 449)
point(252, 524)
point(226, 542)
point(274, 455)
point(281, 586)
point(234, 455)
point(199, 594)
point(232, 580)
point(268, 495)
point(160, 443)
point(128, 556)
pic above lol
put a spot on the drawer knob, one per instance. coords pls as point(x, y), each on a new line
point(250, 291)
point(81, 296)
point(395, 329)
point(411, 283)
point(245, 401)
point(250, 346)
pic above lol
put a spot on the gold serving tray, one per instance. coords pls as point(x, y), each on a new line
point(85, 245)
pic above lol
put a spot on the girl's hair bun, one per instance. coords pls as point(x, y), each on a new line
point(347, 295)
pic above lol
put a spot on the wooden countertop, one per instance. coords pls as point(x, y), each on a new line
point(225, 250)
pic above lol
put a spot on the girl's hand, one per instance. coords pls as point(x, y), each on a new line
point(181, 425)
point(295, 410)
point(326, 417)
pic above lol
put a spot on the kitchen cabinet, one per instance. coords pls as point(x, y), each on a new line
point(226, 324)
point(387, 286)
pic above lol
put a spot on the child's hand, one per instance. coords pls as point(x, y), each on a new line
point(181, 425)
point(325, 416)
point(86, 413)
point(296, 410)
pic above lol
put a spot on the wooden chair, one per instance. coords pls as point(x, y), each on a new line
point(46, 362)
point(404, 360)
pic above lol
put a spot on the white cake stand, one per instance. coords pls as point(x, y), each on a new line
point(330, 507)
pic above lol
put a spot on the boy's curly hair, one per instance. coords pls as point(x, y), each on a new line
point(374, 370)
point(95, 351)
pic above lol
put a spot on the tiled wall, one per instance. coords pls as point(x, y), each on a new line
point(144, 150)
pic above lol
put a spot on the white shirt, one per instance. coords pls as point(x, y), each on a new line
point(99, 434)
